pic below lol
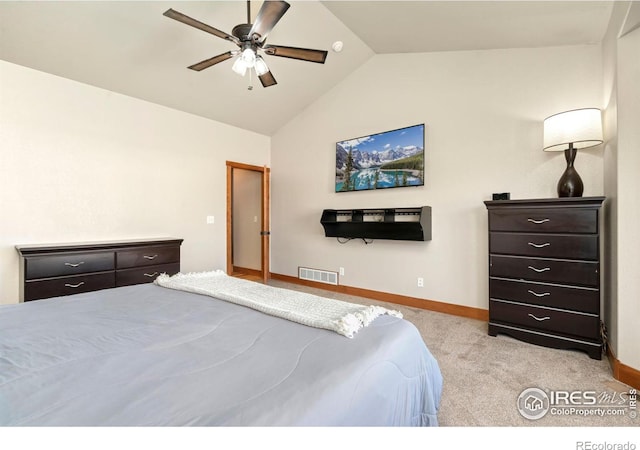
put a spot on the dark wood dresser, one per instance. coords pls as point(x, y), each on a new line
point(63, 269)
point(544, 271)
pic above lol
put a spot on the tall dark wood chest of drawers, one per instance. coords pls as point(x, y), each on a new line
point(544, 271)
point(63, 269)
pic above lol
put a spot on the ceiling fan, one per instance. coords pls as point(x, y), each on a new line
point(250, 38)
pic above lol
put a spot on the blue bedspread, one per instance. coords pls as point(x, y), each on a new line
point(150, 356)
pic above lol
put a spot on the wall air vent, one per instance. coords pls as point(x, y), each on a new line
point(320, 276)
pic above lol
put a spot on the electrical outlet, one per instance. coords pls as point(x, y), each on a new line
point(341, 271)
point(211, 219)
point(420, 282)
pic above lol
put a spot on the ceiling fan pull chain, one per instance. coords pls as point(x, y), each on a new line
point(250, 87)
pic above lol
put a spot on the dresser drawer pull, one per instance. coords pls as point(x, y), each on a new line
point(538, 222)
point(74, 265)
point(539, 319)
point(546, 244)
point(151, 274)
point(150, 257)
point(74, 285)
point(544, 269)
point(544, 294)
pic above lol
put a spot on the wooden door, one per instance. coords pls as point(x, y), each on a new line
point(263, 274)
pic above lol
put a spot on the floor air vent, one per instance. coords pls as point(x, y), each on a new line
point(321, 276)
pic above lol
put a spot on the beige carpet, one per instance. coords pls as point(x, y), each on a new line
point(484, 375)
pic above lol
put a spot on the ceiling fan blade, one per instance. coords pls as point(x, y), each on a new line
point(173, 14)
point(304, 54)
point(270, 13)
point(211, 61)
point(267, 79)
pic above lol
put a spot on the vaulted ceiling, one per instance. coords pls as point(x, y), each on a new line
point(132, 49)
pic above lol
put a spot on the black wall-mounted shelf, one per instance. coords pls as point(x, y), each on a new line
point(405, 224)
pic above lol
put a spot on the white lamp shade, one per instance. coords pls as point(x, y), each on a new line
point(261, 66)
point(239, 66)
point(580, 127)
point(248, 56)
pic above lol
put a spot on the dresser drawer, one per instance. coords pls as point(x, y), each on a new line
point(67, 264)
point(545, 245)
point(565, 322)
point(147, 256)
point(563, 297)
point(55, 287)
point(541, 220)
point(582, 273)
point(147, 274)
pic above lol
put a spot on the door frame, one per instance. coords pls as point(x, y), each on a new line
point(264, 220)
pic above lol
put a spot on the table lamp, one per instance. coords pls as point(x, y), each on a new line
point(569, 131)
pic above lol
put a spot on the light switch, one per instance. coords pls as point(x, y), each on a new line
point(211, 219)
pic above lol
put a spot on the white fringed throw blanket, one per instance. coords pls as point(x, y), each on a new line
point(342, 317)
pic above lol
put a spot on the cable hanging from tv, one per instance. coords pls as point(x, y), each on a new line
point(345, 240)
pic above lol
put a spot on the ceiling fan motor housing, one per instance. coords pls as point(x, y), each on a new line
point(241, 31)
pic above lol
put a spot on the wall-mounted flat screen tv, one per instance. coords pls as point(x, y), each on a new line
point(380, 161)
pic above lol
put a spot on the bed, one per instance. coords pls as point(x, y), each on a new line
point(147, 355)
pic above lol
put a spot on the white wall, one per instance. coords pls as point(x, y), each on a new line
point(483, 112)
point(621, 71)
point(80, 163)
point(628, 199)
point(610, 129)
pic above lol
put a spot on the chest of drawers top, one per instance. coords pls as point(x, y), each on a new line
point(32, 249)
point(555, 215)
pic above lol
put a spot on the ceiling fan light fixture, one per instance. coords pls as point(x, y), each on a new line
point(261, 66)
point(248, 56)
point(239, 66)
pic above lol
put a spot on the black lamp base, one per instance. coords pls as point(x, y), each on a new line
point(570, 184)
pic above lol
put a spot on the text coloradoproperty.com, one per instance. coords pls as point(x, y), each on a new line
point(571, 410)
